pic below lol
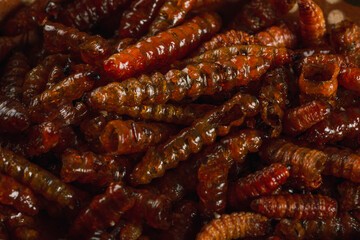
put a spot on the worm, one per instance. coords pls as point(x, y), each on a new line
point(163, 48)
point(190, 140)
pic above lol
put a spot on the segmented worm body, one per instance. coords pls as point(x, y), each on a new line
point(125, 137)
point(342, 226)
point(276, 56)
point(184, 220)
point(312, 22)
point(36, 79)
point(345, 36)
point(234, 226)
point(257, 14)
point(38, 179)
point(342, 163)
point(226, 39)
point(190, 140)
point(338, 125)
point(104, 211)
point(137, 18)
point(42, 138)
point(88, 167)
point(273, 96)
point(17, 195)
point(123, 43)
point(193, 81)
point(152, 208)
point(162, 49)
point(306, 164)
point(296, 206)
point(84, 14)
point(299, 119)
point(59, 38)
point(213, 174)
point(173, 13)
point(183, 114)
point(183, 179)
point(14, 117)
point(25, 19)
point(9, 43)
point(19, 225)
point(70, 88)
point(350, 196)
point(260, 183)
point(276, 36)
point(13, 76)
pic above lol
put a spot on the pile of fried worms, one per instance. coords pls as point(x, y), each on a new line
point(178, 120)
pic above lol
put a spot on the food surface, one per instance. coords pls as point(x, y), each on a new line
point(179, 119)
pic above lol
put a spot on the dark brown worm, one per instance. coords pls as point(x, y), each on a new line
point(226, 39)
point(342, 226)
point(305, 163)
point(38, 179)
point(88, 167)
point(338, 125)
point(25, 19)
point(183, 114)
point(125, 137)
point(63, 114)
point(173, 12)
point(191, 82)
point(136, 20)
point(183, 179)
point(14, 116)
point(20, 225)
point(258, 14)
point(275, 36)
point(184, 219)
point(83, 14)
point(13, 76)
point(276, 56)
point(151, 208)
point(213, 174)
point(296, 206)
point(192, 139)
point(342, 163)
point(35, 80)
point(104, 211)
point(345, 36)
point(59, 38)
point(162, 49)
point(18, 196)
point(350, 196)
point(273, 97)
point(42, 138)
point(299, 119)
point(234, 226)
point(260, 183)
point(70, 88)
